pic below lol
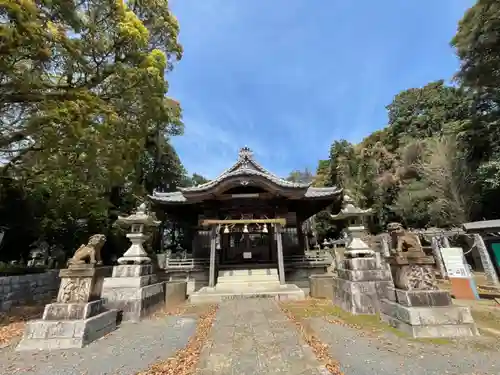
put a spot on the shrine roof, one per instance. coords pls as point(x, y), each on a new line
point(178, 196)
point(482, 226)
point(246, 165)
point(246, 170)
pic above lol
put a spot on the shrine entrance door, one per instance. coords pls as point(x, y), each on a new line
point(244, 248)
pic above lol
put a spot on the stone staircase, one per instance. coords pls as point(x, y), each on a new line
point(247, 283)
point(256, 280)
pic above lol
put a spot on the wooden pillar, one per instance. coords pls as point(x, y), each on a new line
point(211, 272)
point(489, 268)
point(300, 236)
point(279, 250)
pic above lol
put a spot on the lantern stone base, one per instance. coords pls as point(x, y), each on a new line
point(427, 314)
point(134, 291)
point(68, 325)
point(361, 284)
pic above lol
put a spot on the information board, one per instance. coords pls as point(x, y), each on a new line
point(454, 261)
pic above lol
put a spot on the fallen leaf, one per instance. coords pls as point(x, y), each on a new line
point(185, 360)
point(319, 348)
point(13, 322)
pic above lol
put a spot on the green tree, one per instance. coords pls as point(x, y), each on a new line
point(194, 180)
point(83, 105)
point(343, 163)
point(425, 112)
point(322, 177)
point(299, 176)
point(476, 44)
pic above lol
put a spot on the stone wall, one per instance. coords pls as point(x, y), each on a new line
point(26, 289)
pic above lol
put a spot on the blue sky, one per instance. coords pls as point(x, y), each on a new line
point(288, 77)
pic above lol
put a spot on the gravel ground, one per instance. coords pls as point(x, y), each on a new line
point(129, 349)
point(387, 354)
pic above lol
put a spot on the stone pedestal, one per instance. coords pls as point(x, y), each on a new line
point(321, 286)
point(175, 292)
point(362, 283)
point(419, 308)
point(427, 314)
point(133, 289)
point(77, 318)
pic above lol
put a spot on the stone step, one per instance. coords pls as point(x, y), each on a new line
point(211, 295)
point(245, 286)
point(249, 272)
point(249, 279)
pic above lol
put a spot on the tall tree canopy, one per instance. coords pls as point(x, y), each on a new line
point(85, 119)
point(477, 45)
point(82, 85)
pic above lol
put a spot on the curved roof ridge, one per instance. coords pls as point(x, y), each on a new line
point(245, 159)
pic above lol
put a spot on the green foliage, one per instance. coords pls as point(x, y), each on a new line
point(322, 179)
point(477, 46)
point(85, 120)
point(193, 180)
point(325, 227)
point(303, 177)
point(425, 112)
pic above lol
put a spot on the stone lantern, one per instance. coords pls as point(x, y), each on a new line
point(362, 280)
point(138, 222)
point(355, 245)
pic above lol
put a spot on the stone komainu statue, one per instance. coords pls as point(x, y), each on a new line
point(403, 242)
point(89, 253)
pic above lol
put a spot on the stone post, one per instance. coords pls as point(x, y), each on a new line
point(489, 268)
point(279, 250)
point(446, 241)
point(436, 251)
point(385, 245)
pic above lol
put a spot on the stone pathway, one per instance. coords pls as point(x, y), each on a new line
point(253, 336)
point(131, 348)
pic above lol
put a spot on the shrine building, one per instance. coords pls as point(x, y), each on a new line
point(246, 226)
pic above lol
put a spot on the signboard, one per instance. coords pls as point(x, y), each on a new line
point(247, 255)
point(463, 285)
point(453, 258)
